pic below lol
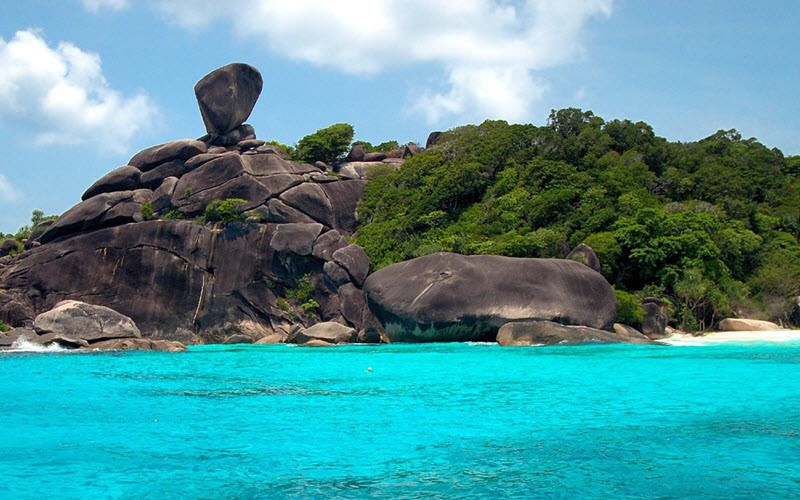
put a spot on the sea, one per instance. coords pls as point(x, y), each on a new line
point(457, 420)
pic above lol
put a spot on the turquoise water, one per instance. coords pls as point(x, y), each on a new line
point(440, 421)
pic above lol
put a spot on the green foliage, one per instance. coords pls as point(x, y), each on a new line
point(225, 211)
point(289, 150)
point(713, 225)
point(173, 215)
point(147, 210)
point(327, 144)
point(4, 327)
point(302, 290)
point(629, 309)
point(301, 295)
point(383, 147)
point(37, 216)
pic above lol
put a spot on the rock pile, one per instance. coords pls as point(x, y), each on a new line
point(132, 243)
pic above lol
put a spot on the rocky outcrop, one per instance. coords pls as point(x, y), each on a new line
point(656, 316)
point(746, 325)
point(330, 332)
point(540, 333)
point(450, 297)
point(586, 256)
point(127, 246)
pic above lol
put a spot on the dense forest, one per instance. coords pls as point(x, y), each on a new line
point(712, 226)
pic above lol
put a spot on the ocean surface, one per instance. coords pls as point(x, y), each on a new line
point(433, 421)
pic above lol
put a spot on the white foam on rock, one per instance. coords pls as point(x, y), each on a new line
point(24, 345)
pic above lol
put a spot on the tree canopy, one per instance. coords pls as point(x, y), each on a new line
point(711, 225)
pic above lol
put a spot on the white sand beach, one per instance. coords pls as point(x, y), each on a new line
point(711, 338)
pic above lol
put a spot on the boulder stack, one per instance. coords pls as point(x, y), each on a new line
point(135, 244)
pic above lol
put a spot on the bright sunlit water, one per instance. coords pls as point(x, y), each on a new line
point(449, 420)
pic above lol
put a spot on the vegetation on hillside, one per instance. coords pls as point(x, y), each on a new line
point(711, 225)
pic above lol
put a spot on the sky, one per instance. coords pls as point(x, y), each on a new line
point(85, 84)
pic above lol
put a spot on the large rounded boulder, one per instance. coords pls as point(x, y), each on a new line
point(227, 95)
point(447, 297)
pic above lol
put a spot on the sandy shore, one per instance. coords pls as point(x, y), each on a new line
point(711, 338)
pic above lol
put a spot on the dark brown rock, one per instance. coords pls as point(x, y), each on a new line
point(533, 333)
point(124, 178)
point(9, 246)
point(355, 261)
point(586, 256)
point(151, 157)
point(238, 338)
point(411, 149)
point(374, 156)
point(227, 95)
point(352, 304)
point(99, 211)
point(295, 237)
point(137, 345)
point(152, 179)
point(449, 297)
point(327, 243)
point(336, 273)
point(432, 138)
point(85, 322)
point(250, 144)
point(343, 198)
point(161, 201)
point(310, 199)
point(656, 316)
point(8, 338)
point(333, 333)
point(355, 154)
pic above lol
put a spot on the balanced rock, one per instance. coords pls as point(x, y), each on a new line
point(227, 95)
point(526, 333)
point(449, 297)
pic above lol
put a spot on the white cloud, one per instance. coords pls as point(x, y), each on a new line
point(8, 193)
point(491, 52)
point(97, 5)
point(61, 92)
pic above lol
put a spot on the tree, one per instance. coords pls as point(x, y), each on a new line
point(326, 144)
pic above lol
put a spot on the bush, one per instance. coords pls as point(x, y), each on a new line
point(173, 215)
point(327, 144)
point(224, 211)
point(4, 327)
point(629, 310)
point(147, 210)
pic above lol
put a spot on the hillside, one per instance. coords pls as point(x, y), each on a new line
point(710, 225)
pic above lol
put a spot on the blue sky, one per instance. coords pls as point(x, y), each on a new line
point(85, 84)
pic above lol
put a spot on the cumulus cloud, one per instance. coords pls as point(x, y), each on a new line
point(8, 193)
point(62, 94)
point(491, 53)
point(97, 5)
